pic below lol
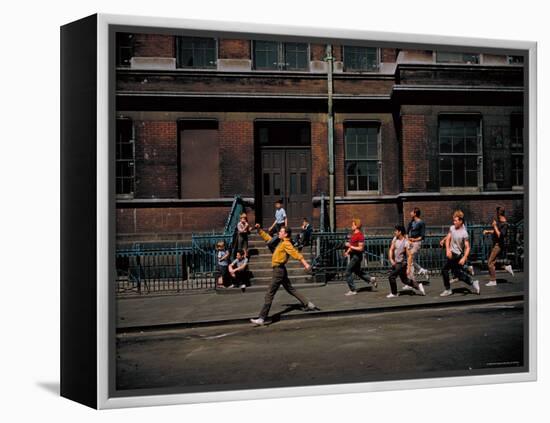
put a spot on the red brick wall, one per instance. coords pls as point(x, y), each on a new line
point(237, 158)
point(414, 145)
point(317, 51)
point(337, 53)
point(374, 215)
point(154, 45)
point(319, 158)
point(173, 220)
point(388, 55)
point(234, 49)
point(477, 211)
point(156, 159)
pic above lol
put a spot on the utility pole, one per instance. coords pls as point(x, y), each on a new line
point(330, 132)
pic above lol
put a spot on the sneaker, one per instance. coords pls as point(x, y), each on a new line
point(470, 270)
point(446, 293)
point(421, 289)
point(475, 284)
point(453, 280)
point(350, 292)
point(491, 283)
point(390, 295)
point(311, 307)
point(424, 272)
point(407, 288)
point(373, 281)
point(509, 269)
point(258, 322)
point(231, 286)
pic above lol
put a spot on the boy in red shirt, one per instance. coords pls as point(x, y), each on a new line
point(354, 249)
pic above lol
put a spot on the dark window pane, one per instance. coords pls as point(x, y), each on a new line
point(303, 183)
point(296, 56)
point(471, 145)
point(446, 178)
point(458, 172)
point(196, 52)
point(267, 188)
point(276, 184)
point(360, 58)
point(446, 163)
point(471, 179)
point(352, 183)
point(452, 57)
point(266, 55)
point(124, 48)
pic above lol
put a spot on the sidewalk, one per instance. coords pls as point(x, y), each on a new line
point(195, 309)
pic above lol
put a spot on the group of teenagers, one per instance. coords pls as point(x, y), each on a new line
point(405, 247)
point(403, 256)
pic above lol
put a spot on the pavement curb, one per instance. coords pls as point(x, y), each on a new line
point(320, 313)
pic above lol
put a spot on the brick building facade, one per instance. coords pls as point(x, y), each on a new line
point(200, 120)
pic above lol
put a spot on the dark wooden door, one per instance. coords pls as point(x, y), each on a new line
point(286, 175)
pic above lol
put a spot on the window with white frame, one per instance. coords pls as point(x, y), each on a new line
point(196, 52)
point(125, 157)
point(361, 59)
point(460, 153)
point(274, 55)
point(362, 155)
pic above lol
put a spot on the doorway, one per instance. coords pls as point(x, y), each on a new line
point(285, 169)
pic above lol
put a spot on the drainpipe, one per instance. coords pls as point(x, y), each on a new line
point(330, 132)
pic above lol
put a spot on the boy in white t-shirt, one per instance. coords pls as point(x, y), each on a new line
point(401, 263)
point(457, 250)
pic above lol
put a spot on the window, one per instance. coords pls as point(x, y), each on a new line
point(360, 59)
point(516, 146)
point(361, 157)
point(451, 57)
point(459, 151)
point(273, 55)
point(515, 60)
point(195, 52)
point(124, 49)
point(125, 157)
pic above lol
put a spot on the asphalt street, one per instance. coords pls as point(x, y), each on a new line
point(446, 341)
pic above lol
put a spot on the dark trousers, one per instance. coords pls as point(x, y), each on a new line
point(242, 277)
point(280, 277)
point(458, 271)
point(354, 267)
point(400, 269)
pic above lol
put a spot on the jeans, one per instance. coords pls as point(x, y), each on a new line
point(400, 269)
point(280, 277)
point(458, 271)
point(415, 249)
point(354, 267)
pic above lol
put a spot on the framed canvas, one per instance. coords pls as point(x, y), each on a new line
point(254, 211)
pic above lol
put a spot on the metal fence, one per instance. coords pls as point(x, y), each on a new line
point(163, 268)
point(329, 262)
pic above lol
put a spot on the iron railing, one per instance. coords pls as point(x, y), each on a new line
point(167, 268)
point(329, 262)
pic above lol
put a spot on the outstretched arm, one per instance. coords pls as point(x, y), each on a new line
point(265, 236)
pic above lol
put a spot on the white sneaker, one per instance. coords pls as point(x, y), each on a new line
point(390, 295)
point(453, 280)
point(470, 270)
point(491, 283)
point(373, 281)
point(446, 293)
point(350, 292)
point(421, 289)
point(509, 269)
point(407, 288)
point(258, 322)
point(310, 306)
point(475, 284)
